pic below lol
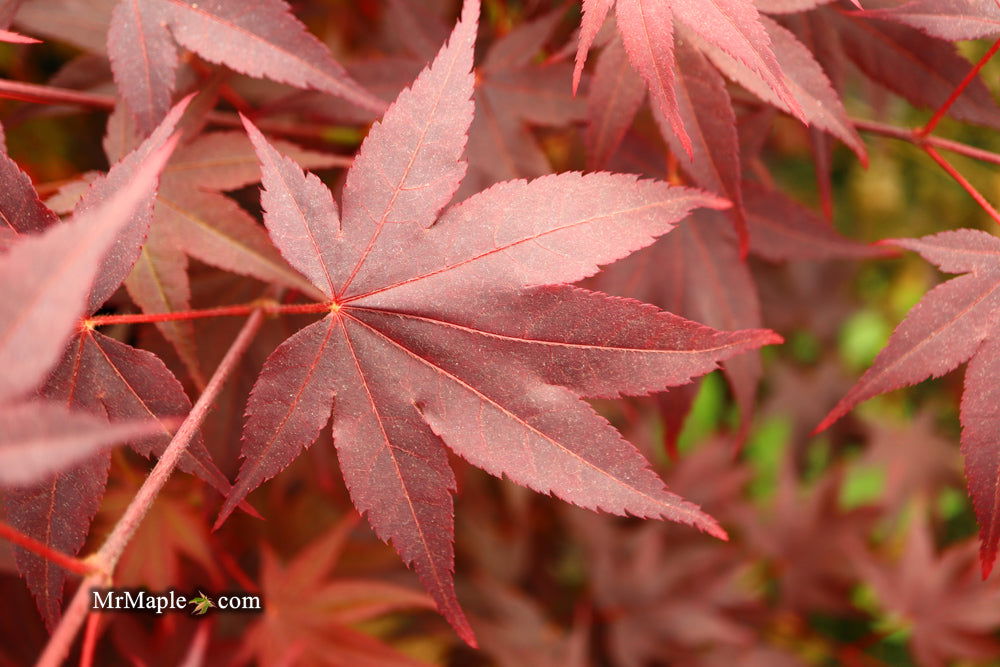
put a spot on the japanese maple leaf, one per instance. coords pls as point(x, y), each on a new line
point(805, 539)
point(954, 20)
point(955, 322)
point(310, 613)
point(192, 218)
point(39, 438)
point(662, 600)
point(922, 69)
point(647, 29)
point(254, 37)
point(701, 129)
point(86, 370)
point(442, 331)
point(173, 539)
point(935, 594)
point(513, 94)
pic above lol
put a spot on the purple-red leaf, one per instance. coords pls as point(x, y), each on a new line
point(647, 30)
point(118, 260)
point(954, 322)
point(713, 151)
point(47, 278)
point(924, 70)
point(819, 103)
point(442, 331)
point(20, 209)
point(616, 93)
point(953, 20)
point(255, 37)
point(40, 438)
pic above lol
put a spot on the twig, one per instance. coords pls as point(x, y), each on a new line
point(959, 89)
point(954, 173)
point(107, 556)
point(41, 94)
point(64, 561)
point(913, 137)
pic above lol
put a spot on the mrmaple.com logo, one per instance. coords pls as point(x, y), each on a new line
point(141, 600)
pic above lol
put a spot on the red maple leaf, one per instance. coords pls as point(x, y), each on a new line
point(454, 330)
point(955, 322)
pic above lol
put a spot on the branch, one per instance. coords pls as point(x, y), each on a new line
point(959, 89)
point(964, 182)
point(64, 561)
point(107, 556)
point(914, 137)
point(40, 94)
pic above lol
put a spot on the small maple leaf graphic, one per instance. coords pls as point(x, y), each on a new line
point(202, 603)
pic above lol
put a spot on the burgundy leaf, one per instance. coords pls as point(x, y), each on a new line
point(594, 13)
point(143, 59)
point(819, 103)
point(616, 93)
point(713, 155)
point(922, 69)
point(647, 30)
point(48, 277)
point(781, 229)
point(102, 377)
point(434, 337)
point(118, 260)
point(513, 93)
point(954, 322)
point(735, 27)
point(83, 23)
point(950, 615)
point(57, 513)
point(40, 438)
point(20, 209)
point(953, 20)
point(259, 38)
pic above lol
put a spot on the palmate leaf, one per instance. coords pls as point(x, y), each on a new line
point(255, 37)
point(648, 28)
point(191, 217)
point(514, 93)
point(955, 322)
point(442, 331)
point(953, 20)
point(40, 438)
point(922, 69)
point(95, 374)
point(313, 613)
point(48, 277)
point(696, 272)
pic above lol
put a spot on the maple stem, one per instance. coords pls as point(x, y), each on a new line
point(912, 136)
point(954, 173)
point(107, 556)
point(90, 640)
point(41, 94)
point(32, 92)
point(267, 306)
point(64, 561)
point(959, 89)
